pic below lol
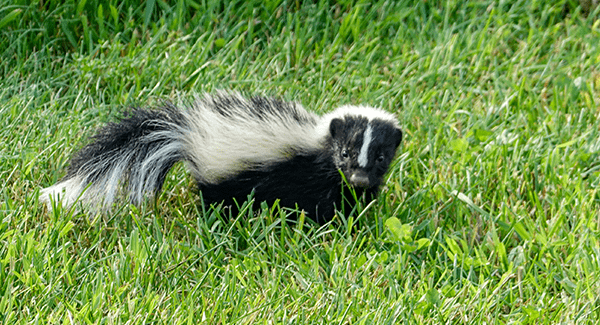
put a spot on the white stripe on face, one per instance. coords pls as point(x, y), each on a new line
point(363, 156)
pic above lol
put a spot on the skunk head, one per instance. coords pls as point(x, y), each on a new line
point(363, 143)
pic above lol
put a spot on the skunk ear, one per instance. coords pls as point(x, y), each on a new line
point(336, 127)
point(397, 136)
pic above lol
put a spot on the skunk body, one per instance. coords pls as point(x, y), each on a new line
point(234, 146)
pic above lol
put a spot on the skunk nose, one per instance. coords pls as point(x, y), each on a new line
point(359, 178)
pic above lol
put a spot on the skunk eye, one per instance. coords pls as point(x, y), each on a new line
point(380, 159)
point(345, 153)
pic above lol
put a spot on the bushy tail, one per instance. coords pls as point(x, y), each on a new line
point(132, 156)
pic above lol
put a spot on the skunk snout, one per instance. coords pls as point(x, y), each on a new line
point(359, 178)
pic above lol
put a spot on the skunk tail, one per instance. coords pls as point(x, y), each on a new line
point(132, 156)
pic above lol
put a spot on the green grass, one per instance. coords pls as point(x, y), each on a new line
point(490, 213)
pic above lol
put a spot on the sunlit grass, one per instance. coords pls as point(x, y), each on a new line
point(489, 213)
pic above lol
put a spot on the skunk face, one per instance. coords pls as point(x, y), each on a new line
point(363, 148)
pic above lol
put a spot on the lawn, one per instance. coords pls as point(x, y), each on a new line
point(490, 212)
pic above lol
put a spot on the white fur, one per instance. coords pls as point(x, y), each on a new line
point(369, 112)
point(66, 192)
point(363, 158)
point(222, 147)
point(144, 180)
point(99, 194)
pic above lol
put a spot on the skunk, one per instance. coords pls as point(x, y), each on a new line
point(234, 146)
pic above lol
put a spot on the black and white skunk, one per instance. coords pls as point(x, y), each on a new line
point(234, 146)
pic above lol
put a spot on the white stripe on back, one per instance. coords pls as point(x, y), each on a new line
point(363, 156)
